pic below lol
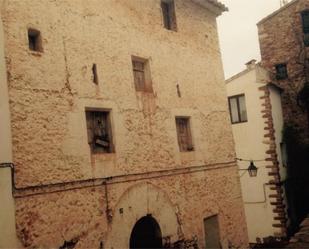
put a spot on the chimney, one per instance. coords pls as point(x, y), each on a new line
point(251, 64)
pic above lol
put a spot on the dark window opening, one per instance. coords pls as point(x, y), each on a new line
point(95, 77)
point(184, 134)
point(281, 71)
point(141, 73)
point(178, 90)
point(35, 40)
point(306, 39)
point(99, 131)
point(305, 22)
point(146, 234)
point(169, 15)
point(238, 111)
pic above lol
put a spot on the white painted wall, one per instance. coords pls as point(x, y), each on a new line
point(249, 137)
point(275, 98)
point(8, 237)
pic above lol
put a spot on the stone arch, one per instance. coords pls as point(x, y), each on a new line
point(139, 201)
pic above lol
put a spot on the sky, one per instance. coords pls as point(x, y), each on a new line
point(238, 32)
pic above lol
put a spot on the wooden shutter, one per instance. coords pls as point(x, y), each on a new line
point(184, 134)
point(89, 119)
point(139, 75)
point(99, 131)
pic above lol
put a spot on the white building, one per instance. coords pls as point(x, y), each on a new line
point(256, 116)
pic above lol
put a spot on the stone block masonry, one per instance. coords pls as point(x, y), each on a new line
point(285, 45)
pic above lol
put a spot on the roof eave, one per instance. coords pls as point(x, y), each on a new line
point(212, 5)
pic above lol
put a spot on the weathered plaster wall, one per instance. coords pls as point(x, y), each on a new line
point(49, 92)
point(5, 124)
point(281, 41)
point(8, 236)
point(277, 116)
point(251, 144)
point(48, 101)
point(81, 214)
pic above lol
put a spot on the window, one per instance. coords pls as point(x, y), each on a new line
point(305, 22)
point(184, 134)
point(35, 40)
point(141, 72)
point(238, 110)
point(281, 71)
point(169, 16)
point(99, 131)
point(212, 232)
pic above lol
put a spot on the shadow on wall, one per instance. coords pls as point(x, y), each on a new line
point(297, 182)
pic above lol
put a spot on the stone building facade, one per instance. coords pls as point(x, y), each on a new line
point(120, 125)
point(284, 44)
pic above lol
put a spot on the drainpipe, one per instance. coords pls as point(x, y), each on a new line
point(8, 237)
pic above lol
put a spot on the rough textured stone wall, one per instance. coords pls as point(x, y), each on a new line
point(49, 92)
point(47, 220)
point(281, 41)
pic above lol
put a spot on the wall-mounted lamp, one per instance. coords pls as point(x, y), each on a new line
point(252, 169)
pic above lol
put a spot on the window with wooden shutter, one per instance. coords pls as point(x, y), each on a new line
point(141, 73)
point(184, 134)
point(99, 131)
point(169, 14)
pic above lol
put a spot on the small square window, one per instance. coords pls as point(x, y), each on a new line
point(184, 134)
point(238, 111)
point(35, 40)
point(281, 71)
point(169, 15)
point(99, 131)
point(141, 73)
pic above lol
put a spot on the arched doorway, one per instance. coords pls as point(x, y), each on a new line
point(146, 234)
